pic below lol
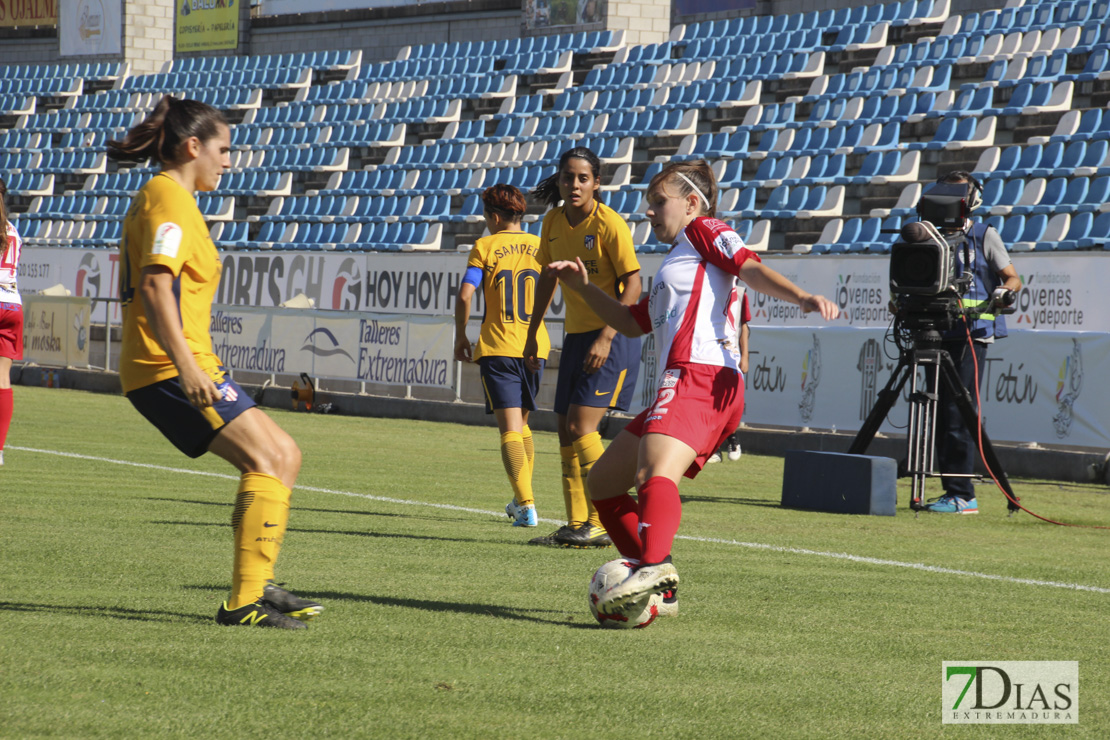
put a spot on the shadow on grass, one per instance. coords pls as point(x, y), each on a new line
point(391, 535)
point(730, 500)
point(496, 611)
point(295, 508)
point(112, 612)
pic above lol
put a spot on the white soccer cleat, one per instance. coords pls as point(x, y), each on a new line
point(522, 516)
point(646, 580)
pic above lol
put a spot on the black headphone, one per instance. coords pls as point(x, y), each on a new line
point(974, 190)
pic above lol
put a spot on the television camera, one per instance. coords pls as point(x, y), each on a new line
point(927, 299)
point(925, 287)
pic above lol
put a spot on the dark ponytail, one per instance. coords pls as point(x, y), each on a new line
point(697, 172)
point(547, 191)
point(162, 132)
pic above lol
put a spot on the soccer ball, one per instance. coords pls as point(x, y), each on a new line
point(637, 614)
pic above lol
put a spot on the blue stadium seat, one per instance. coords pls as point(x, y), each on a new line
point(745, 202)
point(783, 202)
point(1050, 200)
point(1032, 231)
point(770, 169)
point(1052, 155)
point(1079, 229)
point(1099, 235)
point(471, 210)
point(1097, 63)
point(1000, 191)
point(1098, 192)
point(846, 242)
point(808, 141)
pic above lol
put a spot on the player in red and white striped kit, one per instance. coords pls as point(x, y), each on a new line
point(11, 315)
point(693, 311)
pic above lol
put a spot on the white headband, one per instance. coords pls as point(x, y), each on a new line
point(696, 190)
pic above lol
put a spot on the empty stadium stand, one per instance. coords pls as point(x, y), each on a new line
point(821, 128)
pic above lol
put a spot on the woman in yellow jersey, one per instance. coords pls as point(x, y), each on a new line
point(504, 265)
point(597, 367)
point(169, 270)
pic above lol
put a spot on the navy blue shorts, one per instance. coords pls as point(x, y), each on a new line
point(508, 384)
point(190, 429)
point(610, 387)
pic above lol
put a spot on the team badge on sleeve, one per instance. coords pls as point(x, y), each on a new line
point(729, 242)
point(167, 240)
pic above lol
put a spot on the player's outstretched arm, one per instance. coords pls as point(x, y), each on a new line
point(765, 280)
point(614, 313)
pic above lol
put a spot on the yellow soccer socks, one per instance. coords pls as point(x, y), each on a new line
point(514, 456)
point(588, 449)
point(259, 520)
point(574, 491)
point(529, 449)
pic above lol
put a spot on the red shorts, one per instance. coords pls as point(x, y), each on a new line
point(699, 405)
point(11, 331)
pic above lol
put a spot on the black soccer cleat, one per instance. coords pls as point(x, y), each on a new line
point(289, 604)
point(551, 540)
point(258, 614)
point(585, 536)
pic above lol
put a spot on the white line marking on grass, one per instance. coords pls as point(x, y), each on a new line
point(896, 563)
point(227, 476)
point(710, 540)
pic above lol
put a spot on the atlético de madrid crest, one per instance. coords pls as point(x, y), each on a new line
point(589, 242)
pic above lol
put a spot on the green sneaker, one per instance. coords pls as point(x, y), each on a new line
point(289, 604)
point(258, 614)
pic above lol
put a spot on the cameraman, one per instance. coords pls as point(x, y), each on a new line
point(967, 344)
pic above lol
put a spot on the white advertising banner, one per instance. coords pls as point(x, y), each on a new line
point(422, 284)
point(56, 330)
point(1063, 292)
point(1036, 385)
point(88, 27)
point(804, 372)
point(340, 345)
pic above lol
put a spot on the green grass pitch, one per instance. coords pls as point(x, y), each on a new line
point(441, 622)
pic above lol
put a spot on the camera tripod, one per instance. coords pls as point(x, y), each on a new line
point(927, 352)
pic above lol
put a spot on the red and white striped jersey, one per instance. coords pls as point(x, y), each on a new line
point(695, 299)
point(9, 268)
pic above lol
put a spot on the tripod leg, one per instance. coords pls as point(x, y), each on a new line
point(971, 421)
point(920, 429)
point(886, 398)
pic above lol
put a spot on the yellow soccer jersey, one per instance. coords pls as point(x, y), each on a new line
point(604, 243)
point(509, 277)
point(163, 226)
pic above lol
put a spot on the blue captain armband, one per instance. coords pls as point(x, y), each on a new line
point(473, 276)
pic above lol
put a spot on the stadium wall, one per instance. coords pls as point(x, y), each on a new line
point(379, 32)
